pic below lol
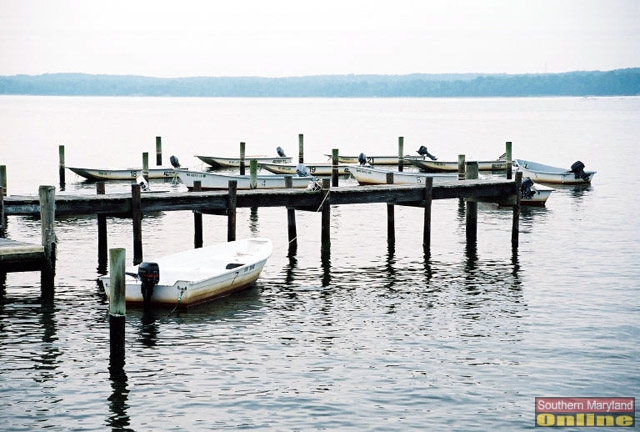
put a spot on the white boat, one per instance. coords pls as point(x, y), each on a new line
point(376, 160)
point(316, 169)
point(366, 175)
point(197, 275)
point(95, 174)
point(540, 173)
point(224, 162)
point(213, 180)
point(449, 166)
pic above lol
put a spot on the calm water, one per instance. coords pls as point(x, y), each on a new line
point(371, 338)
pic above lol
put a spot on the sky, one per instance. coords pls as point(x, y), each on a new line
point(280, 38)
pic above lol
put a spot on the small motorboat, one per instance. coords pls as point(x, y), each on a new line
point(217, 181)
point(540, 173)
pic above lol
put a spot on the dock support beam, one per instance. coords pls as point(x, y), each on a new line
point(508, 157)
point(136, 216)
point(2, 219)
point(428, 199)
point(102, 234)
point(334, 168)
point(515, 228)
point(232, 205)
point(291, 220)
point(197, 219)
point(300, 148)
point(391, 220)
point(158, 151)
point(461, 167)
point(472, 205)
point(117, 307)
point(61, 169)
point(3, 178)
point(48, 218)
point(326, 216)
point(400, 153)
point(242, 156)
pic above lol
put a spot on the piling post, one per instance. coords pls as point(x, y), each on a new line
point(291, 217)
point(400, 153)
point(391, 221)
point(2, 223)
point(158, 151)
point(197, 219)
point(145, 165)
point(253, 174)
point(102, 232)
point(48, 218)
point(231, 206)
point(300, 148)
point(3, 178)
point(515, 227)
point(461, 167)
point(117, 305)
point(428, 199)
point(334, 168)
point(242, 155)
point(472, 205)
point(509, 159)
point(136, 216)
point(61, 169)
point(326, 216)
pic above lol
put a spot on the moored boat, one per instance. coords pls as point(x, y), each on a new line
point(197, 275)
point(541, 173)
point(214, 181)
point(96, 174)
point(317, 169)
point(376, 160)
point(451, 166)
point(366, 175)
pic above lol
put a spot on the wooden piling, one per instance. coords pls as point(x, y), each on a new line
point(242, 156)
point(136, 216)
point(391, 221)
point(231, 206)
point(509, 159)
point(102, 232)
point(145, 165)
point(2, 220)
point(400, 153)
point(334, 168)
point(158, 151)
point(326, 216)
point(428, 198)
point(197, 219)
point(61, 165)
point(300, 148)
point(461, 167)
point(472, 205)
point(48, 218)
point(117, 305)
point(291, 217)
point(253, 174)
point(515, 227)
point(3, 178)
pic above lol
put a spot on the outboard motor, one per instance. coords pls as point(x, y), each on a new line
point(149, 274)
point(362, 158)
point(174, 162)
point(422, 151)
point(578, 171)
point(525, 188)
point(144, 184)
point(301, 170)
point(280, 152)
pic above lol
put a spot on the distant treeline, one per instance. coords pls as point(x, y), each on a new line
point(620, 82)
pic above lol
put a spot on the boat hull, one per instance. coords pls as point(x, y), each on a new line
point(122, 174)
point(217, 181)
point(200, 275)
point(374, 176)
point(222, 162)
point(540, 173)
point(448, 166)
point(377, 160)
point(313, 169)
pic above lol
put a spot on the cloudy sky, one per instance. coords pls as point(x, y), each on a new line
point(310, 37)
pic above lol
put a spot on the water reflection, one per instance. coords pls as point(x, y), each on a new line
point(326, 267)
point(254, 227)
point(118, 406)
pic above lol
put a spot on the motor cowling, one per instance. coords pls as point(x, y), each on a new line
point(280, 152)
point(423, 151)
point(525, 188)
point(578, 171)
point(174, 161)
point(362, 159)
point(301, 170)
point(149, 275)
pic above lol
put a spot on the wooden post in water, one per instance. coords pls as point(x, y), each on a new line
point(253, 174)
point(3, 178)
point(197, 219)
point(242, 155)
point(300, 148)
point(326, 216)
point(102, 232)
point(117, 305)
point(515, 227)
point(232, 205)
point(509, 159)
point(2, 220)
point(472, 204)
point(47, 219)
point(391, 221)
point(291, 217)
point(145, 165)
point(461, 167)
point(428, 199)
point(400, 153)
point(334, 168)
point(61, 169)
point(158, 151)
point(136, 216)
